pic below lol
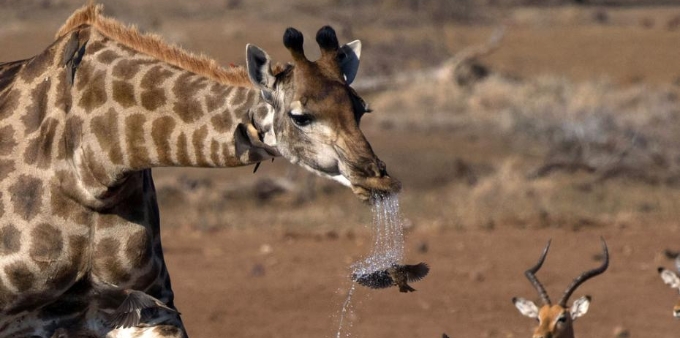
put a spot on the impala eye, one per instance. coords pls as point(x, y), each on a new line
point(562, 319)
point(302, 119)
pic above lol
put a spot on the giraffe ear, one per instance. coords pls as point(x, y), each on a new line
point(260, 71)
point(348, 59)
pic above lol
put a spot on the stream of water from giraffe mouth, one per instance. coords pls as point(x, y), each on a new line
point(388, 249)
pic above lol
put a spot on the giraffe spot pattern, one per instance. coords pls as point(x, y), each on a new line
point(9, 101)
point(10, 240)
point(214, 102)
point(39, 149)
point(7, 141)
point(126, 69)
point(107, 57)
point(20, 276)
point(123, 93)
point(183, 150)
point(108, 266)
point(94, 92)
point(161, 129)
point(2, 206)
point(107, 221)
point(186, 88)
point(221, 122)
point(63, 99)
point(26, 196)
point(152, 99)
point(239, 97)
point(35, 112)
point(96, 46)
point(78, 246)
point(155, 77)
point(189, 110)
point(73, 131)
point(6, 296)
point(229, 158)
point(65, 207)
point(46, 246)
point(136, 145)
point(93, 165)
point(6, 167)
point(138, 249)
point(215, 152)
point(198, 141)
point(105, 129)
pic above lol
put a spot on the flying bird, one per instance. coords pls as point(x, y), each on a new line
point(395, 275)
point(129, 313)
point(131, 305)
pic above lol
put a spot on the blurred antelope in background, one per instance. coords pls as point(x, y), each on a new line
point(556, 321)
point(673, 280)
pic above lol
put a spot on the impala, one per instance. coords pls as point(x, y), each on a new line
point(673, 280)
point(556, 321)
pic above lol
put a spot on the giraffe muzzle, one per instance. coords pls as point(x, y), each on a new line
point(375, 181)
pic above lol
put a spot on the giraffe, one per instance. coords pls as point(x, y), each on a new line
point(83, 123)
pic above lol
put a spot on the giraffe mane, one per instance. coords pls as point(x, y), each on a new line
point(154, 46)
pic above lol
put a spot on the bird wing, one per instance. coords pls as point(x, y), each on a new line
point(136, 300)
point(129, 312)
point(376, 280)
point(125, 319)
point(416, 272)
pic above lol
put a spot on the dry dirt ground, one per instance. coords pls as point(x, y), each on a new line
point(269, 254)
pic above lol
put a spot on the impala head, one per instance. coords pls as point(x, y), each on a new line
point(556, 321)
point(673, 280)
point(313, 116)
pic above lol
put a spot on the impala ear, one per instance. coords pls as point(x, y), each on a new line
point(669, 277)
point(526, 307)
point(579, 307)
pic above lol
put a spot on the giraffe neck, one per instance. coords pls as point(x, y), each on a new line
point(138, 112)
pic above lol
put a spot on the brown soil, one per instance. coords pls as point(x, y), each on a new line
point(253, 283)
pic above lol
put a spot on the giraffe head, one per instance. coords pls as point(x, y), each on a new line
point(313, 116)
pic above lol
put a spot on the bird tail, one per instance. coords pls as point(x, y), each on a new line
point(406, 288)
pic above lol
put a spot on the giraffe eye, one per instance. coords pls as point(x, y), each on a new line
point(302, 119)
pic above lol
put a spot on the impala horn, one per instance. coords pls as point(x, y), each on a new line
point(531, 276)
point(586, 275)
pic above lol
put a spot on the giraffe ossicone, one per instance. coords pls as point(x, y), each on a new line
point(83, 123)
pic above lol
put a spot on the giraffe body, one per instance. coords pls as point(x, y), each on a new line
point(83, 123)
